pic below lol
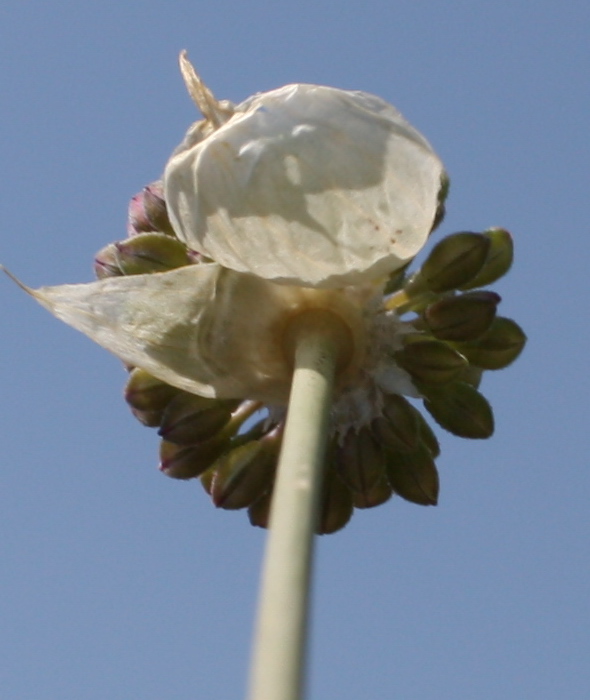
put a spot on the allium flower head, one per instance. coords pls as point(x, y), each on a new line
point(305, 199)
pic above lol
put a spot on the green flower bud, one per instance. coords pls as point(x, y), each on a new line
point(398, 429)
point(259, 511)
point(443, 193)
point(106, 262)
point(189, 419)
point(413, 475)
point(463, 317)
point(151, 419)
point(243, 474)
point(206, 479)
point(151, 252)
point(430, 361)
point(359, 460)
point(146, 393)
point(498, 347)
point(460, 409)
point(471, 375)
point(427, 435)
point(498, 260)
point(336, 506)
point(454, 261)
point(379, 493)
point(182, 462)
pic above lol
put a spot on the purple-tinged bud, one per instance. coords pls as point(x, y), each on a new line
point(137, 220)
point(148, 212)
point(463, 317)
point(461, 409)
point(413, 476)
point(190, 419)
point(155, 208)
point(498, 347)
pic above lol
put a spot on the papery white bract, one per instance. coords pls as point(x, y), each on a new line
point(203, 328)
point(306, 185)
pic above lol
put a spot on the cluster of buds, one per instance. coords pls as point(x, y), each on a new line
point(302, 202)
point(451, 335)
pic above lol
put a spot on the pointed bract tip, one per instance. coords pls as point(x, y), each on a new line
point(16, 280)
point(214, 111)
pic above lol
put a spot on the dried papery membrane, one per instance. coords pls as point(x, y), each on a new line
point(202, 328)
point(307, 185)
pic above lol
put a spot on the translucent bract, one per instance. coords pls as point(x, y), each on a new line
point(305, 185)
point(196, 329)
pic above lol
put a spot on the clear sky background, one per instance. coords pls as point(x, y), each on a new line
point(118, 583)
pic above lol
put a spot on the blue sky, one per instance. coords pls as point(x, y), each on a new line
point(119, 583)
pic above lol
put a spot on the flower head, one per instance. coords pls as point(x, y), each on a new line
point(302, 199)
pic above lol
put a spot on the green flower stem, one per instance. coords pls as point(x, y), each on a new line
point(281, 632)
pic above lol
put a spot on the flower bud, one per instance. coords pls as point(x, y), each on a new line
point(336, 506)
point(151, 419)
point(454, 261)
point(413, 475)
point(146, 393)
point(137, 221)
point(244, 474)
point(461, 409)
point(259, 511)
point(182, 462)
point(498, 347)
point(463, 317)
point(359, 460)
point(106, 262)
point(148, 211)
point(498, 260)
point(206, 478)
point(151, 252)
point(398, 429)
point(189, 419)
point(470, 374)
point(254, 433)
point(430, 361)
point(443, 193)
point(155, 208)
point(427, 436)
point(376, 495)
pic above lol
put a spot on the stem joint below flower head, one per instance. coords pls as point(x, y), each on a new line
point(314, 322)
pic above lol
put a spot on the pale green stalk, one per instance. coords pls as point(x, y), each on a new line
point(278, 665)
